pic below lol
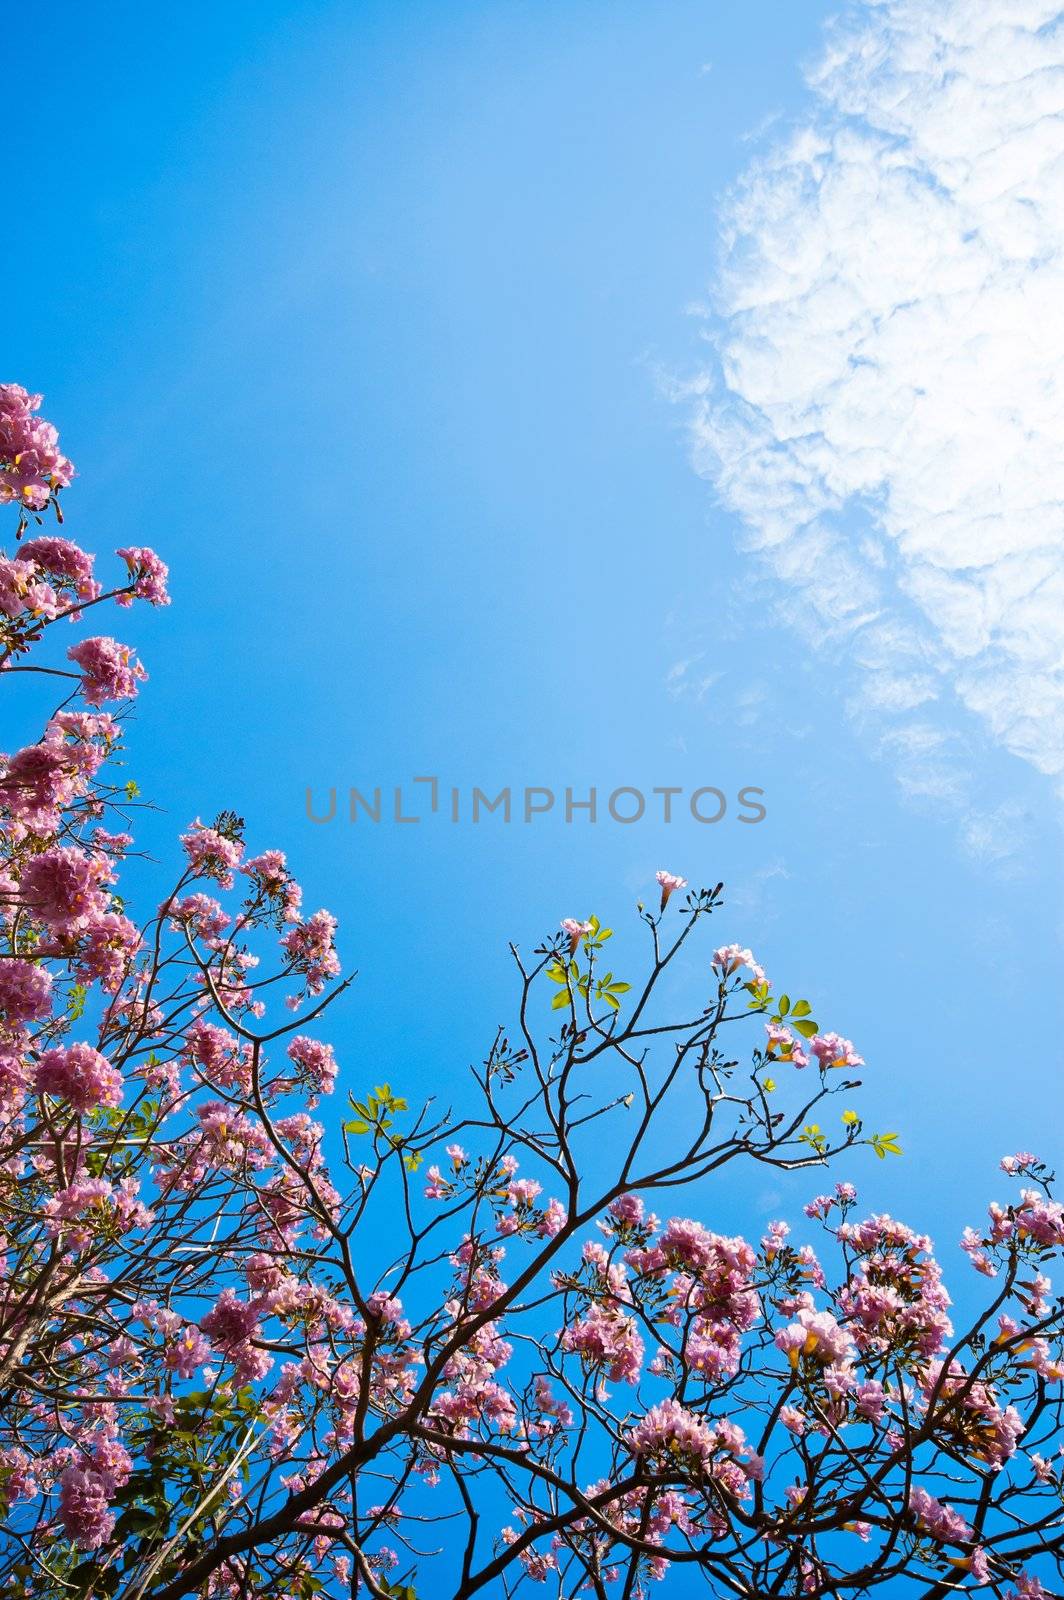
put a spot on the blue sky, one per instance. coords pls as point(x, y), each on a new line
point(414, 337)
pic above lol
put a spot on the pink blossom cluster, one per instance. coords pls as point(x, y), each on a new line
point(212, 854)
point(940, 1520)
point(232, 1326)
point(604, 1335)
point(79, 1075)
point(311, 952)
point(65, 888)
point(109, 670)
point(148, 576)
point(969, 1409)
point(783, 1046)
point(88, 1487)
point(728, 959)
point(713, 1295)
point(315, 1062)
point(670, 1436)
point(832, 1050)
point(895, 1298)
point(65, 564)
point(41, 781)
point(815, 1336)
point(92, 1210)
point(32, 468)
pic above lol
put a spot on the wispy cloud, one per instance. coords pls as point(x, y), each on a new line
point(687, 680)
point(885, 409)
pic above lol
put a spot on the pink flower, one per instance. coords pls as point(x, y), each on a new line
point(523, 1192)
point(832, 1050)
point(222, 1059)
point(83, 1506)
point(31, 466)
point(62, 888)
point(1028, 1588)
point(940, 1521)
point(105, 951)
point(976, 1564)
point(627, 1208)
point(65, 561)
point(79, 1075)
point(783, 1046)
point(671, 1433)
point(25, 991)
point(972, 1244)
point(41, 779)
point(576, 931)
point(815, 1334)
point(309, 947)
point(669, 884)
point(149, 575)
point(232, 1325)
point(269, 872)
point(109, 670)
point(1019, 1162)
point(17, 1473)
point(436, 1185)
point(92, 1205)
point(870, 1400)
point(205, 917)
point(316, 1063)
point(606, 1339)
point(187, 1353)
point(211, 853)
point(21, 589)
point(730, 957)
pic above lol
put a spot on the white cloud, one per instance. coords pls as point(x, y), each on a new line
point(685, 681)
point(886, 410)
point(994, 837)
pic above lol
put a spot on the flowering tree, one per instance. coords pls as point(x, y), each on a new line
point(427, 1352)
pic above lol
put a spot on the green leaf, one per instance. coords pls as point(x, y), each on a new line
point(356, 1127)
point(784, 1004)
point(806, 1029)
point(802, 1008)
point(560, 999)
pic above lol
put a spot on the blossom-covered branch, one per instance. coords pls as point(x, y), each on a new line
point(465, 1347)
